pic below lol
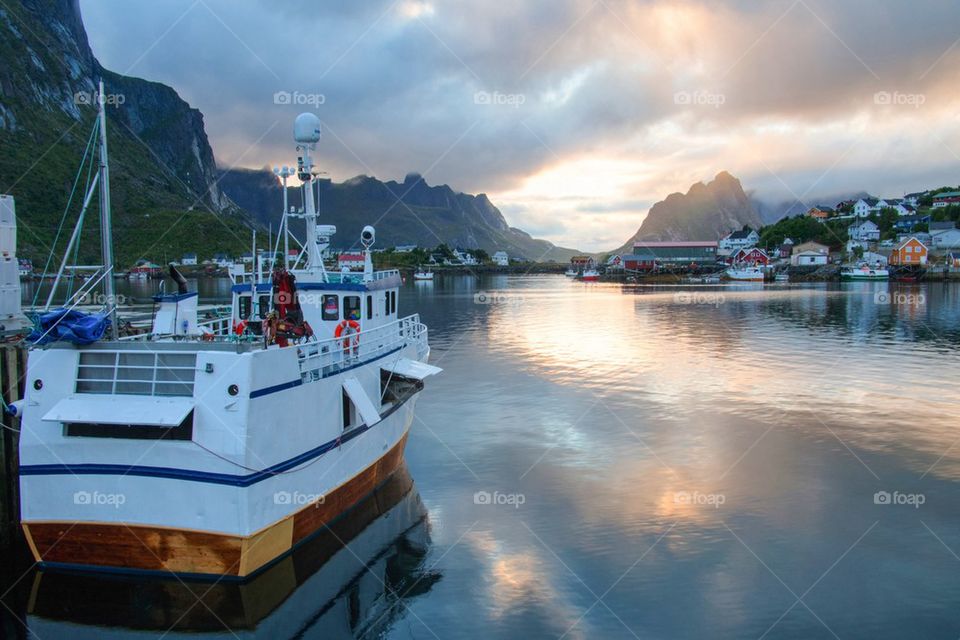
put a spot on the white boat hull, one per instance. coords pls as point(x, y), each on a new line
point(264, 468)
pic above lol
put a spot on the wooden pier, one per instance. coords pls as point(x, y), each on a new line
point(13, 360)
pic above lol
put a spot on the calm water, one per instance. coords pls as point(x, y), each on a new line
point(607, 462)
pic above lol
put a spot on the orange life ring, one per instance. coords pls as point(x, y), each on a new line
point(352, 339)
point(240, 327)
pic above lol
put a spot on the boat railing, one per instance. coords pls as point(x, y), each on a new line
point(326, 357)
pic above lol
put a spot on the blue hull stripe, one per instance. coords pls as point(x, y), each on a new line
point(199, 476)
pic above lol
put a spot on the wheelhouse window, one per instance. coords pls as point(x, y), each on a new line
point(263, 305)
point(351, 307)
point(331, 308)
point(369, 307)
point(245, 306)
point(393, 302)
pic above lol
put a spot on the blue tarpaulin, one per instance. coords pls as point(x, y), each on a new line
point(69, 326)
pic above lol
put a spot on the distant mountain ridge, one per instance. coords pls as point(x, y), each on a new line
point(408, 212)
point(706, 212)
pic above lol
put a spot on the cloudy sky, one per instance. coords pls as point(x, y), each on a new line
point(573, 115)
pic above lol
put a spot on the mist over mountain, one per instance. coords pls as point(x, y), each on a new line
point(705, 212)
point(772, 211)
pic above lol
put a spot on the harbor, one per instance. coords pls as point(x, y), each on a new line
point(605, 422)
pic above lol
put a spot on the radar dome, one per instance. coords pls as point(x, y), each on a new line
point(306, 128)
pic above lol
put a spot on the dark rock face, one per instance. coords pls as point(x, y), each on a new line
point(706, 212)
point(160, 156)
point(408, 212)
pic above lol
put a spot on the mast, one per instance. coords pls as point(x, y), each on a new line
point(306, 132)
point(106, 235)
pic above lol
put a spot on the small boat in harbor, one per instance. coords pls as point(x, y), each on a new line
point(743, 273)
point(863, 271)
point(570, 273)
point(782, 277)
point(420, 274)
point(590, 275)
point(212, 447)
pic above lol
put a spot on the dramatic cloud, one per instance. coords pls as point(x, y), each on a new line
point(573, 115)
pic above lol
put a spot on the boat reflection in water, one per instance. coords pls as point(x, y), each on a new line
point(351, 579)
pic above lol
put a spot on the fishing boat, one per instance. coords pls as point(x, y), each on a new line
point(782, 277)
point(420, 274)
point(570, 273)
point(863, 271)
point(744, 273)
point(212, 448)
point(590, 275)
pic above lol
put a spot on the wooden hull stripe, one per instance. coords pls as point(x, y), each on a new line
point(206, 477)
point(199, 555)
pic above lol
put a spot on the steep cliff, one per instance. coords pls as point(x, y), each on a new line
point(163, 173)
point(705, 212)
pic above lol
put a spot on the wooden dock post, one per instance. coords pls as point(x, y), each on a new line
point(12, 367)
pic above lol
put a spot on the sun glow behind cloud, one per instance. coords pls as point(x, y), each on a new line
point(622, 102)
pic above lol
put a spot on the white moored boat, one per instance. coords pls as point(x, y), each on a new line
point(590, 275)
point(420, 274)
point(864, 271)
point(212, 448)
point(742, 273)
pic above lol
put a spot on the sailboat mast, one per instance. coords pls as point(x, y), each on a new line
point(106, 235)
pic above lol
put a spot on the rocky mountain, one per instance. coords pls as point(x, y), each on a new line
point(705, 212)
point(408, 212)
point(163, 175)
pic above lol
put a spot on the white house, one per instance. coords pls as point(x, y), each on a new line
point(946, 239)
point(864, 231)
point(808, 258)
point(865, 206)
point(874, 259)
point(736, 240)
point(501, 258)
point(351, 261)
point(913, 199)
point(464, 257)
point(946, 199)
point(189, 260)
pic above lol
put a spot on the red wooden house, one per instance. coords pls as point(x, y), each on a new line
point(752, 256)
